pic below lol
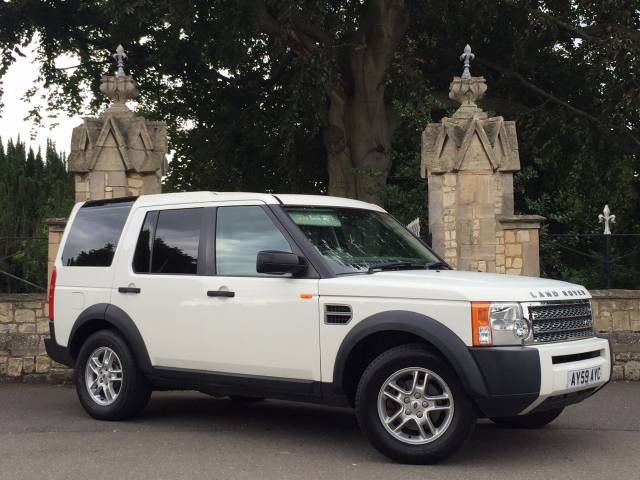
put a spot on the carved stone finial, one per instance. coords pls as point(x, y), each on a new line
point(607, 218)
point(467, 92)
point(119, 87)
point(466, 57)
point(120, 57)
point(119, 90)
point(466, 89)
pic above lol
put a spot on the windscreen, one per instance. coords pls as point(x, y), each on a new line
point(354, 240)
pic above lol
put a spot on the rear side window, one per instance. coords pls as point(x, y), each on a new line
point(94, 234)
point(169, 241)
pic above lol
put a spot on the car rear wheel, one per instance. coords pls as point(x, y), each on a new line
point(411, 406)
point(530, 420)
point(108, 382)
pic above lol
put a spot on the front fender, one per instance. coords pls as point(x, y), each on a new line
point(448, 343)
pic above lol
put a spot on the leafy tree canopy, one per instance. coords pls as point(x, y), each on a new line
point(331, 96)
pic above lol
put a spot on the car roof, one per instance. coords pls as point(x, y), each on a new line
point(268, 198)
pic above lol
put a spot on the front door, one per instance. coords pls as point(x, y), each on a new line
point(270, 326)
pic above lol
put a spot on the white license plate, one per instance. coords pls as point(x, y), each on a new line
point(583, 377)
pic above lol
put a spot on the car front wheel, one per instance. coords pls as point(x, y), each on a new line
point(108, 382)
point(411, 406)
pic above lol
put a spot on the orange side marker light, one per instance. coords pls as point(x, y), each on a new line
point(480, 324)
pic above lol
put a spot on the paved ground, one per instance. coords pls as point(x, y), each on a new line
point(44, 433)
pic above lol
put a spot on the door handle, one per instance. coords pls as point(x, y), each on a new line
point(220, 293)
point(128, 290)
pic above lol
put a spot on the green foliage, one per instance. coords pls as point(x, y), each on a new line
point(31, 190)
point(246, 98)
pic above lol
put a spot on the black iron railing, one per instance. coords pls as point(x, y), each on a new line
point(593, 260)
point(23, 264)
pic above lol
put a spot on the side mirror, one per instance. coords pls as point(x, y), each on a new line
point(279, 263)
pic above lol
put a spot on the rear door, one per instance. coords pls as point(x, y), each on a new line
point(158, 281)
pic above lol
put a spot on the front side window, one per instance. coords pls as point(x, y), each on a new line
point(354, 240)
point(94, 234)
point(242, 232)
point(168, 242)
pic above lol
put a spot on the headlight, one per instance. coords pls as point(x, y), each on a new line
point(498, 324)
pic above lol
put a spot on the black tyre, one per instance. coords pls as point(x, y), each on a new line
point(411, 406)
point(108, 382)
point(244, 399)
point(530, 420)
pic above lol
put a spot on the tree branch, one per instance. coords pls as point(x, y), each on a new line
point(582, 32)
point(557, 100)
point(82, 64)
point(264, 20)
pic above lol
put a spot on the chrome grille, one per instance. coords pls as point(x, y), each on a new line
point(561, 321)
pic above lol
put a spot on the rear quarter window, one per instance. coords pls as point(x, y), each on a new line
point(94, 234)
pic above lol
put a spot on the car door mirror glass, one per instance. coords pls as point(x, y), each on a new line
point(279, 263)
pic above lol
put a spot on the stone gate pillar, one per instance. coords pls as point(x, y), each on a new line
point(469, 161)
point(118, 154)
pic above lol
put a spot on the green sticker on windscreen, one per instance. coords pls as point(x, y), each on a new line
point(315, 219)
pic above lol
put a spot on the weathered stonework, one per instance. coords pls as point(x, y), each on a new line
point(617, 316)
point(56, 229)
point(115, 155)
point(120, 153)
point(24, 323)
point(23, 358)
point(469, 161)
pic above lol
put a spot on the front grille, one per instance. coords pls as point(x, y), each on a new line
point(561, 321)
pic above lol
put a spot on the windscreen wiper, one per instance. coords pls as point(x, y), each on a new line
point(396, 266)
point(437, 266)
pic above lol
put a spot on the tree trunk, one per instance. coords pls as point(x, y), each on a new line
point(358, 135)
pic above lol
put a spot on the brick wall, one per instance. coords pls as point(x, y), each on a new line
point(24, 323)
point(617, 315)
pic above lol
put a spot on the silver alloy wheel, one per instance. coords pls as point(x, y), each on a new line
point(415, 405)
point(103, 376)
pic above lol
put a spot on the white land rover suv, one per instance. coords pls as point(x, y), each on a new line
point(316, 299)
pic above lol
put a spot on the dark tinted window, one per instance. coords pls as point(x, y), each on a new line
point(241, 233)
point(175, 246)
point(94, 234)
point(142, 257)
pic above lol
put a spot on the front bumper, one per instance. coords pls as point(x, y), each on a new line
point(522, 379)
point(553, 382)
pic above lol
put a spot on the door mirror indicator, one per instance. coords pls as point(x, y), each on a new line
point(279, 263)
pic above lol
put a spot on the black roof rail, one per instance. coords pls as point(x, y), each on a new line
point(108, 201)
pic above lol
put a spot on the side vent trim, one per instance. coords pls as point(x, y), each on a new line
point(337, 314)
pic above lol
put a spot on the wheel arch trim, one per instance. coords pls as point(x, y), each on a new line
point(455, 351)
point(119, 320)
